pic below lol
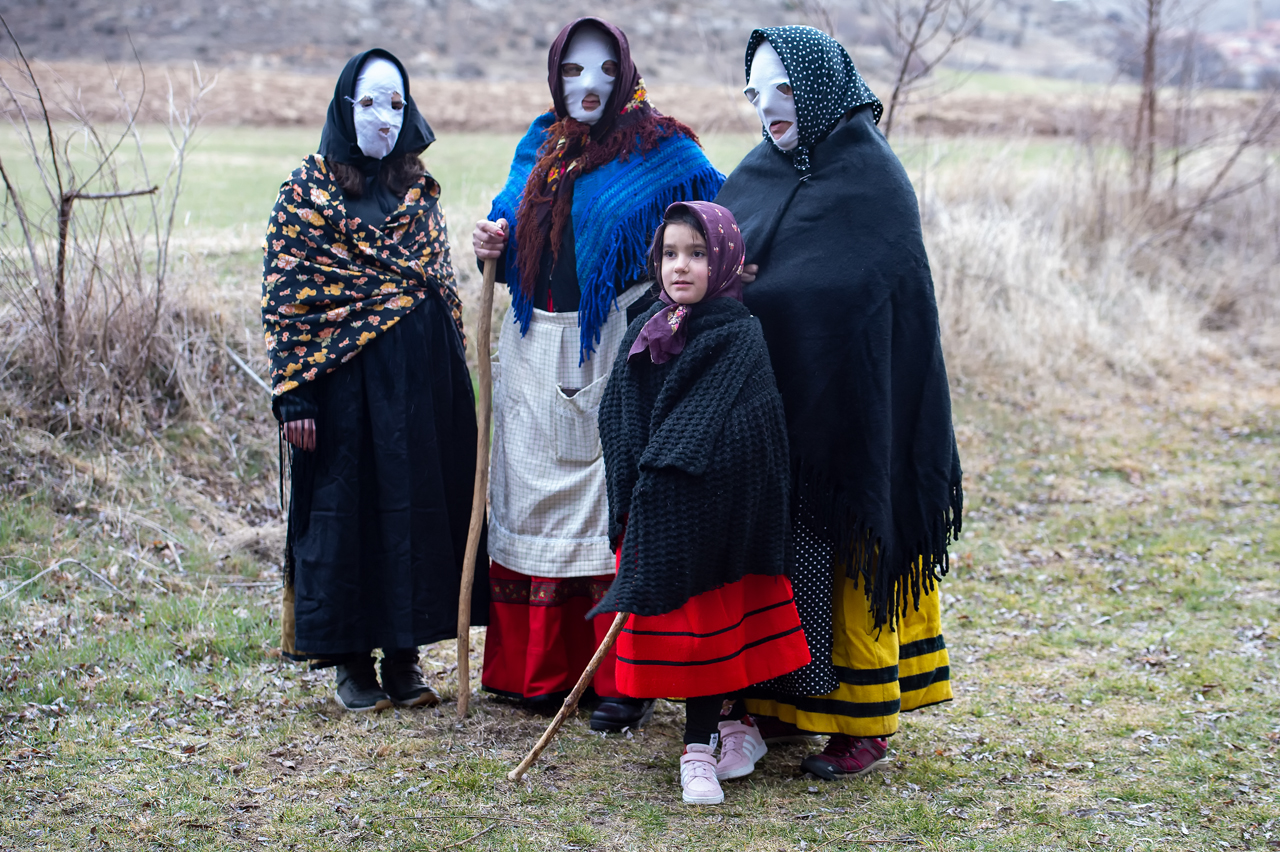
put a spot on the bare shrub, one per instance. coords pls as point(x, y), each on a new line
point(1046, 267)
point(84, 257)
point(919, 35)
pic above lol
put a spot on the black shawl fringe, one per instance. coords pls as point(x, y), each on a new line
point(894, 576)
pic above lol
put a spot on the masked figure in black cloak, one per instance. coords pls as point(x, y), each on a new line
point(363, 327)
point(846, 301)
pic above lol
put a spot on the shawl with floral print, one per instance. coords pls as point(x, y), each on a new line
point(332, 283)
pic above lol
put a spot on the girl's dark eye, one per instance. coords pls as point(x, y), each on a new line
point(366, 102)
point(397, 102)
point(785, 88)
point(570, 69)
point(610, 67)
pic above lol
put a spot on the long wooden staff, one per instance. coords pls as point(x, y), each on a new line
point(571, 701)
point(479, 498)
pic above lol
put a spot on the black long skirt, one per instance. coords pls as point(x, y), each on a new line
point(380, 510)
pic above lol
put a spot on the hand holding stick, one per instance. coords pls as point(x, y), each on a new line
point(481, 492)
point(571, 701)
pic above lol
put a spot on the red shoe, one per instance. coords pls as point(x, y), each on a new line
point(847, 757)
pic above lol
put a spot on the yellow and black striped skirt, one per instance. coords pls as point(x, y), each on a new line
point(882, 672)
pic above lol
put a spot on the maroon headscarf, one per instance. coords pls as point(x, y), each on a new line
point(572, 148)
point(663, 335)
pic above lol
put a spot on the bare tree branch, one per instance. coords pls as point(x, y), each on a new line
point(924, 35)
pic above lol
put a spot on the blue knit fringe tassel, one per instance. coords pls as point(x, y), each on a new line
point(611, 232)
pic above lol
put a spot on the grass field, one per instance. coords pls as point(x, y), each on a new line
point(233, 174)
point(1113, 619)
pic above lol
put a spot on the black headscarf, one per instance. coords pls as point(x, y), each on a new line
point(846, 300)
point(338, 139)
point(823, 81)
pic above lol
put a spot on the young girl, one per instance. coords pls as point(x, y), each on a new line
point(696, 463)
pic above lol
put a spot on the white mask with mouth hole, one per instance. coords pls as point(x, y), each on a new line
point(588, 69)
point(378, 107)
point(769, 91)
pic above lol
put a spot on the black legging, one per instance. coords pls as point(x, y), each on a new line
point(702, 717)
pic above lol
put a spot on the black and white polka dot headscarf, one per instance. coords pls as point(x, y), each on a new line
point(823, 81)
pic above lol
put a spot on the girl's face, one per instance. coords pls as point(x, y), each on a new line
point(684, 264)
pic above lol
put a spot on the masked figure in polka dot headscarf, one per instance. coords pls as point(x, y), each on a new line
point(846, 300)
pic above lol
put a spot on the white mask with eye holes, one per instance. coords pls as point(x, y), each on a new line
point(378, 107)
point(769, 91)
point(591, 51)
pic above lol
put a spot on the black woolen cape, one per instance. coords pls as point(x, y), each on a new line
point(695, 454)
point(846, 301)
point(379, 511)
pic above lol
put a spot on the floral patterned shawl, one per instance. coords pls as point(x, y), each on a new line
point(332, 283)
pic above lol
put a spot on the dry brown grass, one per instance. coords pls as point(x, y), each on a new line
point(1048, 267)
point(247, 97)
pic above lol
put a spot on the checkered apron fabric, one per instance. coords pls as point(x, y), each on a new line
point(548, 513)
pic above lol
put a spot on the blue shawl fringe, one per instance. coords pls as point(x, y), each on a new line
point(616, 209)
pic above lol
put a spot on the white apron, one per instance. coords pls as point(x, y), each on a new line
point(548, 511)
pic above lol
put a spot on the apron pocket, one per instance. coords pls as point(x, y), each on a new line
point(575, 433)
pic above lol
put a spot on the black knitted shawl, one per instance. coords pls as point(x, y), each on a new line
point(695, 454)
point(846, 301)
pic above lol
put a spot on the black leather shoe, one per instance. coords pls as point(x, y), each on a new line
point(358, 689)
point(404, 682)
point(544, 705)
point(614, 714)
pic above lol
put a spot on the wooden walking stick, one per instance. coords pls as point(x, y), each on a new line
point(571, 702)
point(480, 497)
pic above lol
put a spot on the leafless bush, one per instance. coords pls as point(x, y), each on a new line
point(1145, 244)
point(1045, 267)
point(84, 256)
point(919, 35)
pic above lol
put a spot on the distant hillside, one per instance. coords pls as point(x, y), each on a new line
point(673, 42)
point(504, 39)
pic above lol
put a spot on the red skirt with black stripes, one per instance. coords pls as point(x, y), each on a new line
point(719, 642)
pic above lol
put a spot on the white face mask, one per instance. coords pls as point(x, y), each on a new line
point(378, 107)
point(594, 53)
point(769, 91)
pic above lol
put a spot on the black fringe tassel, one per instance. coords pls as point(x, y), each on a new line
point(894, 578)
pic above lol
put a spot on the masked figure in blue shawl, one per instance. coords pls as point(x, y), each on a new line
point(846, 301)
point(370, 384)
point(587, 188)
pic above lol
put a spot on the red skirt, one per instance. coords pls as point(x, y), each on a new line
point(539, 641)
point(719, 642)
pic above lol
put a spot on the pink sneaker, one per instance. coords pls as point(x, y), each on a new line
point(847, 757)
point(698, 775)
point(740, 747)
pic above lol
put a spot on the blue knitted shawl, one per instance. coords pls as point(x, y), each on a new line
point(616, 209)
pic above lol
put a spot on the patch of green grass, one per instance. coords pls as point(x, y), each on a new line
point(1113, 649)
